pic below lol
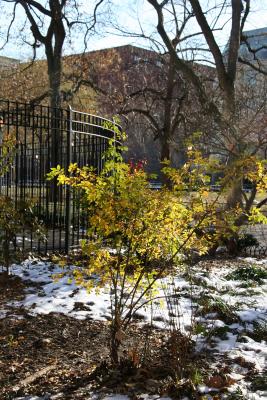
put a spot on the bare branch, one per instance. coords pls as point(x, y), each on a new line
point(252, 65)
point(35, 4)
point(234, 41)
point(246, 13)
point(214, 48)
point(10, 26)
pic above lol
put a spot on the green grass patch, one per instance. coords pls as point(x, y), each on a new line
point(259, 332)
point(216, 305)
point(252, 273)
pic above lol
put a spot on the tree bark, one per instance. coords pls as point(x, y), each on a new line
point(115, 340)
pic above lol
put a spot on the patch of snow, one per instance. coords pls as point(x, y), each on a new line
point(216, 323)
point(3, 313)
point(251, 260)
point(228, 344)
point(250, 315)
point(254, 352)
point(46, 295)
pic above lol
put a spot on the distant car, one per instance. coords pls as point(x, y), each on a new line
point(155, 185)
point(246, 188)
point(215, 188)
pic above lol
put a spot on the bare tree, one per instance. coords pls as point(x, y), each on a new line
point(50, 22)
point(224, 111)
point(147, 91)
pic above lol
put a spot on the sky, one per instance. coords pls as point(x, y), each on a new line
point(131, 15)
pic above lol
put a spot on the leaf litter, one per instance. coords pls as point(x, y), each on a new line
point(54, 335)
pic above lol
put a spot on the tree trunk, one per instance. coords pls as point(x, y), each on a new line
point(234, 197)
point(165, 149)
point(54, 65)
point(6, 252)
point(115, 339)
point(164, 156)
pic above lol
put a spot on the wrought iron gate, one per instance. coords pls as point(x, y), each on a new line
point(80, 137)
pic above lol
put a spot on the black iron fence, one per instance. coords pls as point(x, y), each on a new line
point(47, 137)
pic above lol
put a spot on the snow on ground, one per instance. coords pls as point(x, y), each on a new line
point(64, 296)
point(229, 311)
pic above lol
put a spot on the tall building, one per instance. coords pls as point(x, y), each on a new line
point(254, 45)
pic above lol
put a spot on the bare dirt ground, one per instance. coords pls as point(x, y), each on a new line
point(55, 356)
point(65, 358)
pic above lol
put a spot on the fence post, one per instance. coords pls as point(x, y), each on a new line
point(68, 188)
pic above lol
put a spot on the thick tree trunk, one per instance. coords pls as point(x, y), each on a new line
point(234, 197)
point(165, 149)
point(54, 72)
point(164, 156)
point(167, 127)
point(54, 65)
